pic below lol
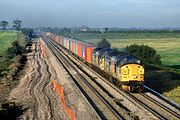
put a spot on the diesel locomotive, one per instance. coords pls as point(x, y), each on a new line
point(126, 70)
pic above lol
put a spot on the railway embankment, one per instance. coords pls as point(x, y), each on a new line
point(40, 97)
point(12, 66)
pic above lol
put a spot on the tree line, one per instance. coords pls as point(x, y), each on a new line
point(17, 24)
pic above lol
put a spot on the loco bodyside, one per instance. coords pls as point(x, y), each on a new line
point(100, 57)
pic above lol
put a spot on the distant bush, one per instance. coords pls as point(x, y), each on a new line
point(104, 44)
point(15, 50)
point(145, 53)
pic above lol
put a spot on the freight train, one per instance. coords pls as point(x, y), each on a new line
point(124, 69)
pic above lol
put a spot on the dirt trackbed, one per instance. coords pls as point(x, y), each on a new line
point(38, 95)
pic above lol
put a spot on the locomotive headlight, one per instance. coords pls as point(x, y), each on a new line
point(134, 76)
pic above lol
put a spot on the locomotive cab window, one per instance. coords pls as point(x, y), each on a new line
point(130, 59)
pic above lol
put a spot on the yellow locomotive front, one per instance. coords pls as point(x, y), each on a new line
point(132, 77)
point(126, 69)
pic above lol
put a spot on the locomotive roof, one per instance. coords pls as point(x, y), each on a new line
point(127, 58)
point(111, 54)
point(119, 56)
point(105, 51)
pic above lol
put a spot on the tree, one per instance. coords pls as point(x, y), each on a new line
point(104, 44)
point(65, 32)
point(106, 29)
point(28, 32)
point(4, 24)
point(17, 24)
point(145, 53)
point(16, 49)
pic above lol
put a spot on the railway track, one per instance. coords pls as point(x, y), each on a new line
point(170, 113)
point(172, 103)
point(134, 98)
point(103, 109)
point(159, 110)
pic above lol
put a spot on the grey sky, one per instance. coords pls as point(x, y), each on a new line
point(93, 13)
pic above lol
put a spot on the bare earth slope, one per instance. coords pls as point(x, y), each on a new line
point(38, 95)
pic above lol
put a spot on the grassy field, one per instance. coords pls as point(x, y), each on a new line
point(168, 48)
point(6, 38)
point(174, 94)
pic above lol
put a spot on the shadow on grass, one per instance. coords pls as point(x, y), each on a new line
point(161, 80)
point(10, 111)
point(174, 66)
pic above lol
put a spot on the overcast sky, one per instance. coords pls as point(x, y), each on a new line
point(93, 13)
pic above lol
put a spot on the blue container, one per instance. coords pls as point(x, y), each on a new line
point(83, 52)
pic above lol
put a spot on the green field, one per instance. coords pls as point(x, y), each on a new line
point(6, 38)
point(168, 48)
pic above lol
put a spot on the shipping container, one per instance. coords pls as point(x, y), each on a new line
point(62, 41)
point(73, 45)
point(58, 39)
point(52, 36)
point(76, 47)
point(66, 43)
point(85, 51)
point(69, 44)
point(80, 48)
point(88, 53)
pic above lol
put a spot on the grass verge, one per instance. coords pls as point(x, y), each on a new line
point(12, 60)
